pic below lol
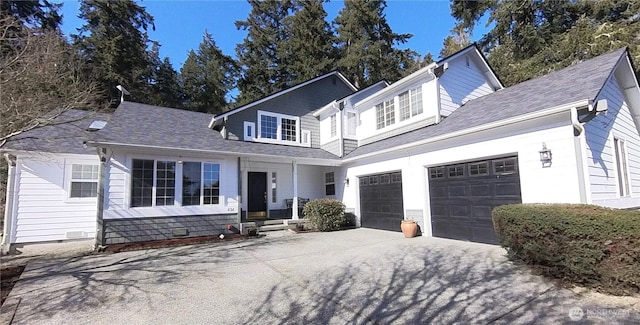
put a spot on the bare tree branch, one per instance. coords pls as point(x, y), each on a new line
point(41, 77)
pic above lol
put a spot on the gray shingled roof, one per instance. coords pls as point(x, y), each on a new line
point(146, 125)
point(65, 135)
point(581, 81)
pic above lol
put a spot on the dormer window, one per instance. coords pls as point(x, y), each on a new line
point(278, 127)
point(385, 114)
point(410, 103)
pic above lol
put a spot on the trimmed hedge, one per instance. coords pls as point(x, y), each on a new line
point(325, 214)
point(582, 244)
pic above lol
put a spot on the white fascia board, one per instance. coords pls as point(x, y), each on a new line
point(325, 108)
point(335, 102)
point(282, 92)
point(517, 119)
point(178, 151)
point(391, 89)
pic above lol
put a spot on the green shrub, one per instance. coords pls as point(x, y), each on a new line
point(583, 244)
point(325, 214)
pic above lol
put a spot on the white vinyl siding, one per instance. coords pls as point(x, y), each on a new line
point(558, 184)
point(44, 210)
point(461, 83)
point(117, 198)
point(601, 161)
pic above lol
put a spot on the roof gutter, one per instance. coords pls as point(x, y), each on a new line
point(327, 162)
point(483, 127)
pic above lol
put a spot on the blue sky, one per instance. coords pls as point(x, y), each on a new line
point(181, 24)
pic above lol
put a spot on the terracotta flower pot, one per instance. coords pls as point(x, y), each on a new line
point(409, 228)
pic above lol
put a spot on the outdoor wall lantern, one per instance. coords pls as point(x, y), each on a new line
point(346, 181)
point(545, 156)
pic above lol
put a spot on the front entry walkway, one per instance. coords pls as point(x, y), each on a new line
point(347, 277)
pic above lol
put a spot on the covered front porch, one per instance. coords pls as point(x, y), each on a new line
point(278, 189)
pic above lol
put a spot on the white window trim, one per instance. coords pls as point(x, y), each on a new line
point(178, 183)
point(346, 133)
point(220, 197)
point(394, 100)
point(279, 140)
point(305, 134)
point(622, 144)
point(299, 131)
point(248, 125)
point(396, 109)
point(68, 169)
point(329, 183)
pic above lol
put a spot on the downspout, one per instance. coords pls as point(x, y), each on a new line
point(578, 132)
point(9, 204)
point(239, 194)
point(340, 133)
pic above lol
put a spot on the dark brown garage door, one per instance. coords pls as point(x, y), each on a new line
point(463, 195)
point(381, 201)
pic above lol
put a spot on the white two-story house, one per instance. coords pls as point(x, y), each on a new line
point(442, 146)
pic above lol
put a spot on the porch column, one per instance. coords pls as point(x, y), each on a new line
point(294, 207)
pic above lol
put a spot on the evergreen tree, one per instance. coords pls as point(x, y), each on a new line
point(260, 55)
point(459, 39)
point(309, 49)
point(531, 38)
point(33, 13)
point(366, 44)
point(165, 88)
point(114, 40)
point(207, 77)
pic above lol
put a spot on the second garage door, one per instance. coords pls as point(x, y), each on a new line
point(381, 201)
point(463, 195)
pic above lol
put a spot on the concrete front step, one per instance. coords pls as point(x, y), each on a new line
point(275, 227)
point(270, 225)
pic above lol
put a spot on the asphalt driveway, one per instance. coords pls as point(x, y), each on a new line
point(355, 276)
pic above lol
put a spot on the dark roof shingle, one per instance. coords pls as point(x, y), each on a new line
point(137, 124)
point(66, 134)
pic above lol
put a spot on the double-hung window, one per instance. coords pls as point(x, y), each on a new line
point(329, 184)
point(155, 182)
point(200, 183)
point(84, 181)
point(385, 114)
point(278, 127)
point(410, 103)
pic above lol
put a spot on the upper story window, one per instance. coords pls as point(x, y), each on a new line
point(410, 103)
point(385, 114)
point(334, 125)
point(278, 126)
point(352, 123)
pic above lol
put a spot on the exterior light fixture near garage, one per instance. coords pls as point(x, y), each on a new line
point(346, 181)
point(545, 156)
